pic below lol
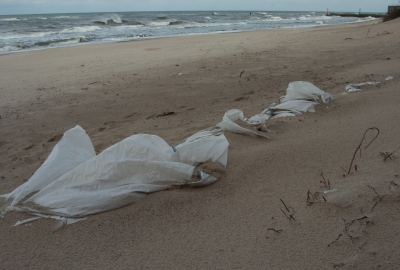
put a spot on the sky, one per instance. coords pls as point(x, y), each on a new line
point(9, 7)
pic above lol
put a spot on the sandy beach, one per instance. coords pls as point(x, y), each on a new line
point(116, 90)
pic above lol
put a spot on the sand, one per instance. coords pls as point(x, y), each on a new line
point(116, 90)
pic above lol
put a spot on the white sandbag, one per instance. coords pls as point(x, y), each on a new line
point(126, 171)
point(351, 88)
point(292, 108)
point(203, 146)
point(229, 124)
point(74, 148)
point(305, 91)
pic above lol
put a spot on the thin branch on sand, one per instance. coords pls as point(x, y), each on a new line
point(289, 211)
point(359, 146)
point(388, 155)
point(325, 182)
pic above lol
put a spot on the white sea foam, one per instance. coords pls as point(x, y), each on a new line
point(131, 26)
point(67, 17)
point(116, 20)
point(10, 19)
point(158, 23)
point(81, 29)
point(313, 18)
point(270, 18)
point(204, 25)
point(9, 49)
point(42, 18)
point(275, 18)
point(29, 36)
point(208, 18)
point(110, 18)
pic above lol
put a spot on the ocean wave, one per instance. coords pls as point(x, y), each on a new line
point(263, 13)
point(158, 23)
point(41, 18)
point(205, 25)
point(10, 48)
point(137, 23)
point(60, 42)
point(10, 19)
point(162, 17)
point(208, 18)
point(81, 29)
point(133, 26)
point(313, 18)
point(270, 18)
point(175, 22)
point(366, 19)
point(29, 36)
point(65, 17)
point(107, 20)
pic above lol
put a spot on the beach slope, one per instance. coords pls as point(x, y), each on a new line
point(117, 90)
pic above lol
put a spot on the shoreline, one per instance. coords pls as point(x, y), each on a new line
point(116, 90)
point(187, 35)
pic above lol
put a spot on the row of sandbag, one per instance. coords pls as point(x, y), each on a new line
point(73, 182)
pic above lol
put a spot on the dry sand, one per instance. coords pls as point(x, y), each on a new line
point(116, 90)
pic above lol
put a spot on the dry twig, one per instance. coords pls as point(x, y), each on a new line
point(316, 197)
point(272, 229)
point(359, 146)
point(325, 182)
point(388, 155)
point(337, 239)
point(289, 211)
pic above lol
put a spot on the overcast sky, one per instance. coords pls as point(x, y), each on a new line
point(8, 7)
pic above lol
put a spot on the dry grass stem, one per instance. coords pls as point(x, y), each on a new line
point(289, 211)
point(314, 198)
point(359, 146)
point(388, 155)
point(325, 182)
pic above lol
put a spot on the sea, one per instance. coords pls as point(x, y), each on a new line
point(19, 33)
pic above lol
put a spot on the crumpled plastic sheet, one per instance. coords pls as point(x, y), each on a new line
point(229, 124)
point(74, 148)
point(352, 88)
point(301, 97)
point(305, 91)
point(120, 175)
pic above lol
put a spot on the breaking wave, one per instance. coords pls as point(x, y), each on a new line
point(109, 20)
point(175, 22)
point(81, 29)
point(60, 42)
point(10, 48)
point(158, 23)
point(10, 19)
point(313, 18)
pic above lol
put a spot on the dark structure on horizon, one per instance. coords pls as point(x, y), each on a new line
point(393, 9)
